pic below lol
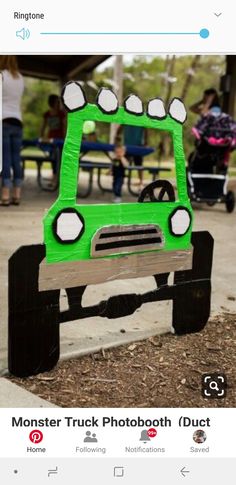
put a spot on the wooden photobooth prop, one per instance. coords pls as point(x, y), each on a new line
point(89, 244)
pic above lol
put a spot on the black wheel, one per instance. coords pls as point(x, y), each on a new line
point(148, 193)
point(230, 201)
point(192, 293)
point(33, 322)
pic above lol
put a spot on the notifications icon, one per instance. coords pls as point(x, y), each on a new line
point(148, 434)
point(36, 436)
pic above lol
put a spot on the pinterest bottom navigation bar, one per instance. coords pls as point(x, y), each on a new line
point(117, 471)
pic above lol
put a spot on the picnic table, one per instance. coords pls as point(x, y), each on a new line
point(51, 152)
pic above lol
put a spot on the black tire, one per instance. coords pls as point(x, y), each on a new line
point(230, 201)
point(33, 322)
point(192, 292)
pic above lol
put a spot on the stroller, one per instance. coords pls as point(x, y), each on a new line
point(208, 164)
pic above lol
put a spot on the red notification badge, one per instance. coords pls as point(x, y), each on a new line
point(152, 432)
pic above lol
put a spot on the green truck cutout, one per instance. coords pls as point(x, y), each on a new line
point(79, 232)
point(88, 244)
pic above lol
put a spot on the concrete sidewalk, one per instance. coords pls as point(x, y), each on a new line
point(23, 225)
point(13, 396)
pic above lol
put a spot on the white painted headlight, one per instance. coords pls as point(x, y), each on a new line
point(180, 221)
point(68, 226)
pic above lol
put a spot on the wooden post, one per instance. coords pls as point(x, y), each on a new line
point(189, 76)
point(171, 70)
point(166, 146)
point(229, 95)
point(118, 80)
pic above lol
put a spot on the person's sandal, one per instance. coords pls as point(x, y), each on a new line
point(15, 201)
point(5, 202)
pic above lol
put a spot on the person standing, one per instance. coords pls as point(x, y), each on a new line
point(53, 127)
point(119, 162)
point(134, 135)
point(12, 91)
point(210, 101)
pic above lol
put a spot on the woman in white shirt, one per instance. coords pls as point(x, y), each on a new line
point(12, 91)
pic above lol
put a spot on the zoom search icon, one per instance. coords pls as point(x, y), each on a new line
point(36, 436)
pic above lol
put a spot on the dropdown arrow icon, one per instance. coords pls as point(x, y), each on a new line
point(218, 14)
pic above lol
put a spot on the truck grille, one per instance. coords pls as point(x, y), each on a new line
point(126, 239)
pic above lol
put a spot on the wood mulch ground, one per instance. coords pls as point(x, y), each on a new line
point(162, 371)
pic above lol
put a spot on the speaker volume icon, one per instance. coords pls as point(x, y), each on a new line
point(23, 33)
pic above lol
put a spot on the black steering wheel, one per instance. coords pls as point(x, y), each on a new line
point(149, 194)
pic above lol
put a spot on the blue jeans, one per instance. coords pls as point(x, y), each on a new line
point(11, 146)
point(118, 181)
